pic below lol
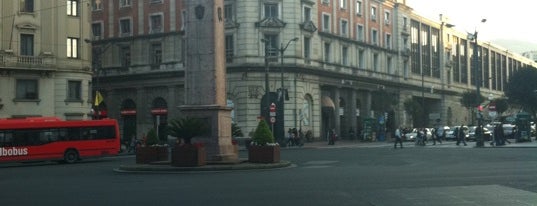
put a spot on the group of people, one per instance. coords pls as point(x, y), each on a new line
point(498, 139)
point(294, 137)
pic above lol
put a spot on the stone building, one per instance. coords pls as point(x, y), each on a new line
point(347, 65)
point(45, 67)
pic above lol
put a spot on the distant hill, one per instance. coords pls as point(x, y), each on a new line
point(515, 45)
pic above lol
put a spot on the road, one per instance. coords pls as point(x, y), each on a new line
point(326, 176)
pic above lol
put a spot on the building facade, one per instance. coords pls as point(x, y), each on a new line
point(45, 66)
point(347, 65)
point(138, 57)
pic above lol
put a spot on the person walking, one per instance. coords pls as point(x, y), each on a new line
point(332, 137)
point(437, 136)
point(398, 138)
point(461, 135)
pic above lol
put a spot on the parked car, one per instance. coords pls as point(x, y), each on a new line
point(411, 135)
point(440, 131)
point(450, 135)
point(509, 130)
point(470, 136)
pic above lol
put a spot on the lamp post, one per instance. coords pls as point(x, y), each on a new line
point(477, 71)
point(283, 91)
point(265, 109)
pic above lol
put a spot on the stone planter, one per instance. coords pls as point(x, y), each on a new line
point(264, 154)
point(188, 155)
point(146, 155)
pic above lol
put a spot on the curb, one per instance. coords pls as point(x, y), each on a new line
point(149, 168)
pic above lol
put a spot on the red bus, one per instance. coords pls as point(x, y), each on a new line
point(50, 138)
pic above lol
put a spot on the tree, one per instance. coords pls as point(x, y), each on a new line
point(469, 99)
point(414, 109)
point(521, 89)
point(501, 105)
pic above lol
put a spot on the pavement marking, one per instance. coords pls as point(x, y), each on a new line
point(319, 164)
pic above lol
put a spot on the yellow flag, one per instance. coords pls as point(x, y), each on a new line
point(98, 98)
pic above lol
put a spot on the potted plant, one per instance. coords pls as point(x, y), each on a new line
point(186, 154)
point(263, 149)
point(151, 150)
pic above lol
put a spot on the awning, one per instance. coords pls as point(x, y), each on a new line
point(327, 102)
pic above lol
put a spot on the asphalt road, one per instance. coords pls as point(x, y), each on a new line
point(342, 176)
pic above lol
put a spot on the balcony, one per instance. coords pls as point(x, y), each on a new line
point(9, 60)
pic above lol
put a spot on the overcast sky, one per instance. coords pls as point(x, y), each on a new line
point(513, 19)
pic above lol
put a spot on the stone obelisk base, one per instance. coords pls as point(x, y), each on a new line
point(218, 142)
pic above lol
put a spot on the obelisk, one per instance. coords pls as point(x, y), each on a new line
point(205, 76)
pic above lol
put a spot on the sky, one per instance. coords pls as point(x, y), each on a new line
point(512, 20)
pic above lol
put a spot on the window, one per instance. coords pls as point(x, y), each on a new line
point(72, 47)
point(327, 52)
point(271, 10)
point(74, 89)
point(156, 1)
point(27, 6)
point(361, 59)
point(373, 13)
point(344, 28)
point(125, 56)
point(307, 14)
point(343, 4)
point(125, 27)
point(388, 41)
point(96, 30)
point(156, 54)
point(272, 45)
point(228, 12)
point(307, 48)
point(376, 62)
point(389, 64)
point(27, 89)
point(124, 3)
point(344, 55)
point(326, 23)
point(360, 32)
point(359, 7)
point(155, 23)
point(326, 1)
point(374, 37)
point(72, 8)
point(229, 48)
point(27, 45)
point(387, 18)
point(96, 5)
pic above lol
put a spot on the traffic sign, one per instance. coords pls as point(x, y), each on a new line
point(272, 107)
point(272, 120)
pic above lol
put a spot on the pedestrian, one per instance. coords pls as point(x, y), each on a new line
point(332, 137)
point(437, 135)
point(461, 135)
point(398, 138)
point(497, 138)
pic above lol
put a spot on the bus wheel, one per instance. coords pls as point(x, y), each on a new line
point(70, 156)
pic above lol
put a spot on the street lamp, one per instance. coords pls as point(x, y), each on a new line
point(283, 91)
point(265, 109)
point(477, 72)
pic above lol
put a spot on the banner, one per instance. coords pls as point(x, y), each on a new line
point(98, 98)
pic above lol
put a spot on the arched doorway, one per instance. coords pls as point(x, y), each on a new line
point(159, 110)
point(327, 108)
point(128, 120)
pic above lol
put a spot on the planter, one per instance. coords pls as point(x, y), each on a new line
point(264, 154)
point(146, 155)
point(188, 155)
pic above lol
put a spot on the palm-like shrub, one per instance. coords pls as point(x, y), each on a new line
point(262, 135)
point(187, 128)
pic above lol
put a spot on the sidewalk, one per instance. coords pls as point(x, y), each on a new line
point(388, 144)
